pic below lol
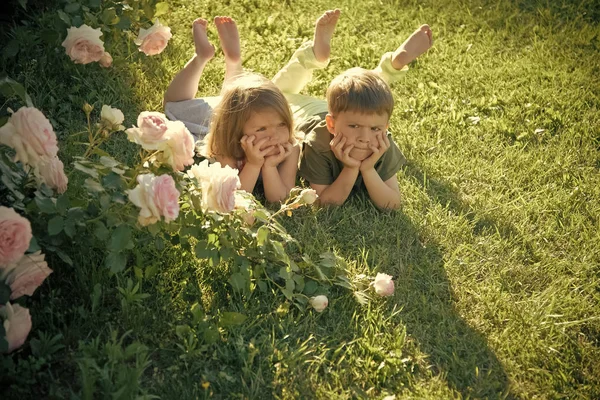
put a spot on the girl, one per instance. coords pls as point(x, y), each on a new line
point(251, 125)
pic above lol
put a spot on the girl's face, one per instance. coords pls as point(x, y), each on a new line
point(268, 124)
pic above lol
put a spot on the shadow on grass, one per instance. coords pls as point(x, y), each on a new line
point(438, 338)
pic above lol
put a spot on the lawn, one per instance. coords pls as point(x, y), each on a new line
point(495, 252)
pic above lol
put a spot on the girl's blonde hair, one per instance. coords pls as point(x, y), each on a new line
point(246, 94)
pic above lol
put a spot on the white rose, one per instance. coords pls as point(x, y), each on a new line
point(83, 44)
point(51, 171)
point(319, 303)
point(143, 197)
point(218, 184)
point(308, 196)
point(154, 40)
point(383, 285)
point(112, 115)
point(17, 324)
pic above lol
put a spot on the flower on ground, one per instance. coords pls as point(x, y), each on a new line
point(218, 185)
point(83, 45)
point(51, 171)
point(153, 41)
point(15, 235)
point(106, 60)
point(308, 196)
point(319, 303)
point(113, 116)
point(30, 133)
point(17, 324)
point(383, 284)
point(26, 275)
point(156, 197)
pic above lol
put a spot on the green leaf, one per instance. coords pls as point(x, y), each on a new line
point(63, 256)
point(120, 238)
point(161, 9)
point(109, 16)
point(11, 49)
point(100, 231)
point(229, 319)
point(287, 293)
point(70, 227)
point(64, 17)
point(261, 235)
point(182, 331)
point(124, 23)
point(72, 8)
point(238, 281)
point(62, 204)
point(33, 246)
point(202, 251)
point(197, 313)
point(55, 225)
point(9, 88)
point(262, 286)
point(86, 170)
point(23, 3)
point(151, 271)
point(94, 3)
point(93, 186)
point(310, 287)
point(113, 181)
point(116, 262)
point(211, 334)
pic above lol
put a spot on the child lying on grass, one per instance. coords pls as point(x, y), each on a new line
point(250, 127)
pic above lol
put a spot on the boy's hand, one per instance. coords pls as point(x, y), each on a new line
point(284, 151)
point(383, 143)
point(254, 154)
point(343, 154)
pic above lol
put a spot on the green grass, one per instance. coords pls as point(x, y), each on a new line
point(495, 253)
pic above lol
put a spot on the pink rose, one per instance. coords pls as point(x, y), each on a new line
point(319, 303)
point(15, 235)
point(52, 173)
point(26, 275)
point(383, 285)
point(166, 197)
point(106, 60)
point(154, 40)
point(156, 197)
point(83, 44)
point(151, 130)
point(17, 324)
point(218, 185)
point(30, 133)
point(178, 150)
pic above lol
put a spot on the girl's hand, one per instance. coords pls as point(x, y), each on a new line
point(284, 151)
point(343, 154)
point(254, 154)
point(383, 143)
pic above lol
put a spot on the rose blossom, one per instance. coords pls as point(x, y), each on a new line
point(52, 173)
point(244, 207)
point(154, 40)
point(156, 196)
point(114, 116)
point(30, 133)
point(83, 44)
point(106, 60)
point(178, 150)
point(15, 235)
point(17, 324)
point(319, 303)
point(166, 197)
point(26, 275)
point(308, 196)
point(218, 185)
point(383, 284)
point(151, 130)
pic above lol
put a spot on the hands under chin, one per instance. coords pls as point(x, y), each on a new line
point(343, 152)
point(283, 151)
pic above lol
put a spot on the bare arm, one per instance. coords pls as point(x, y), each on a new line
point(339, 190)
point(383, 194)
point(279, 179)
point(248, 175)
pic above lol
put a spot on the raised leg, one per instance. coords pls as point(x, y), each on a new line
point(230, 43)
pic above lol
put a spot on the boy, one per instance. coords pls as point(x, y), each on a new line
point(349, 146)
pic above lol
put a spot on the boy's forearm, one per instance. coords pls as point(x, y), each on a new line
point(340, 189)
point(381, 194)
point(249, 176)
point(276, 190)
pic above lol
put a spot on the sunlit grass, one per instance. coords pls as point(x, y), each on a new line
point(495, 253)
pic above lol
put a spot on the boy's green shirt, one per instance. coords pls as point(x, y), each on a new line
point(319, 165)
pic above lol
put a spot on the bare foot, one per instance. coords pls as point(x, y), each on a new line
point(229, 38)
point(204, 49)
point(417, 43)
point(323, 32)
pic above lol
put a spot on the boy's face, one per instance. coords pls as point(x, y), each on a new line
point(359, 129)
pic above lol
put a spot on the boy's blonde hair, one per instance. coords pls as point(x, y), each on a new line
point(359, 90)
point(246, 94)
